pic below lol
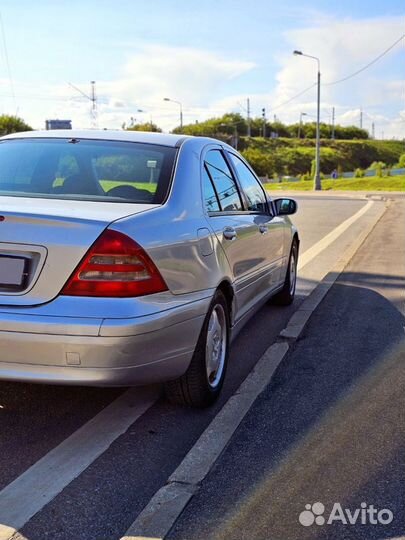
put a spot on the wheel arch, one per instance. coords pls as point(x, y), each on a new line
point(227, 290)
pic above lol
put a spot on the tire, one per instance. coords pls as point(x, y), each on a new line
point(286, 296)
point(196, 387)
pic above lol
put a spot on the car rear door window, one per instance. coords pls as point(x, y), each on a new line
point(252, 189)
point(210, 197)
point(223, 182)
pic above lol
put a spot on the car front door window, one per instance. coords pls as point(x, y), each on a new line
point(253, 191)
point(223, 181)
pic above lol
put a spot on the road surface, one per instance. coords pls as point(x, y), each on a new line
point(80, 463)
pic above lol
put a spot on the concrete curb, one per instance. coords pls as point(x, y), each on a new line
point(162, 511)
point(158, 517)
point(300, 318)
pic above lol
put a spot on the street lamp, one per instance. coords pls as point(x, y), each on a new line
point(317, 178)
point(300, 124)
point(235, 132)
point(150, 118)
point(181, 110)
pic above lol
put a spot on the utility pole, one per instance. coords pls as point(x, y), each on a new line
point(317, 179)
point(361, 118)
point(333, 123)
point(248, 117)
point(373, 130)
point(264, 121)
point(94, 105)
point(300, 125)
point(92, 98)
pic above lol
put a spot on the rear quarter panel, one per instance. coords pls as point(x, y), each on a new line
point(176, 234)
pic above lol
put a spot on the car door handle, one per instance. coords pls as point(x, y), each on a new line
point(229, 233)
point(263, 229)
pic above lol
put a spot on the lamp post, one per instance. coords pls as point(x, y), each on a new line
point(150, 118)
point(235, 132)
point(300, 124)
point(317, 177)
point(181, 110)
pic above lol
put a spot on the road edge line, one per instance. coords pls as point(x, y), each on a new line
point(301, 316)
point(52, 473)
point(333, 235)
point(158, 517)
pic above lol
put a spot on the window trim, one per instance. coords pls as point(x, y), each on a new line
point(238, 187)
point(235, 173)
point(205, 168)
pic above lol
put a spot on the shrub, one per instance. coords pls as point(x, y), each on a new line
point(359, 173)
point(12, 124)
point(401, 162)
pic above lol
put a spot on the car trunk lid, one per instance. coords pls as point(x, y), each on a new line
point(43, 240)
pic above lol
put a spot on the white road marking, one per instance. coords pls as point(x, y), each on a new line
point(36, 487)
point(327, 240)
point(163, 509)
point(39, 484)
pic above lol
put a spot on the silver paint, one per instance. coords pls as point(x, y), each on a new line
point(45, 337)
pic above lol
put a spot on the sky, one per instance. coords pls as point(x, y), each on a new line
point(210, 56)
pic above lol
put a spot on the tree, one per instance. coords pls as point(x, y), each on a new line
point(146, 126)
point(216, 127)
point(401, 162)
point(12, 124)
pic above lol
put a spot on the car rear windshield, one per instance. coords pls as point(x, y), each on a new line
point(84, 169)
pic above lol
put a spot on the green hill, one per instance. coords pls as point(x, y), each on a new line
point(286, 156)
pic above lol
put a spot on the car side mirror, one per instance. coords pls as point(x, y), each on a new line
point(285, 207)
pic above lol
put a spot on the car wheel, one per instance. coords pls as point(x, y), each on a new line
point(201, 385)
point(286, 296)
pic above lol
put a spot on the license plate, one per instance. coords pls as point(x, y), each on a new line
point(12, 273)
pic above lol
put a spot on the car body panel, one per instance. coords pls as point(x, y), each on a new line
point(109, 341)
point(55, 235)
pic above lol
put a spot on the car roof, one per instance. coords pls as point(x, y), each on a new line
point(164, 139)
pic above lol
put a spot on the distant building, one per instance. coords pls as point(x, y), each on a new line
point(58, 124)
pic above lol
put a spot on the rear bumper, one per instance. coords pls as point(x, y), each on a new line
point(102, 352)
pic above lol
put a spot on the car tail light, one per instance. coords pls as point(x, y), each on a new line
point(115, 266)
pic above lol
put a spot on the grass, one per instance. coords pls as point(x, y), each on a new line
point(387, 183)
point(109, 184)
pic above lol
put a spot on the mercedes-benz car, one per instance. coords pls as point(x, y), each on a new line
point(129, 258)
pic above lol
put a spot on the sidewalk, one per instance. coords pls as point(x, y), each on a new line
point(275, 193)
point(330, 427)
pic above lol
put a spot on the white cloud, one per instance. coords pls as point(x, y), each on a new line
point(191, 76)
point(343, 46)
point(204, 81)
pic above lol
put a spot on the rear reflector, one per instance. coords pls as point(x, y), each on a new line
point(115, 266)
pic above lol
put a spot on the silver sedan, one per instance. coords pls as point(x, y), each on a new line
point(131, 258)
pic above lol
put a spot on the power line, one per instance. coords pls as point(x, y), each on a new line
point(345, 78)
point(92, 98)
point(7, 61)
point(368, 65)
point(294, 97)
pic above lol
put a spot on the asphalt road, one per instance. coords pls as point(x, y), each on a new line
point(106, 497)
point(330, 428)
